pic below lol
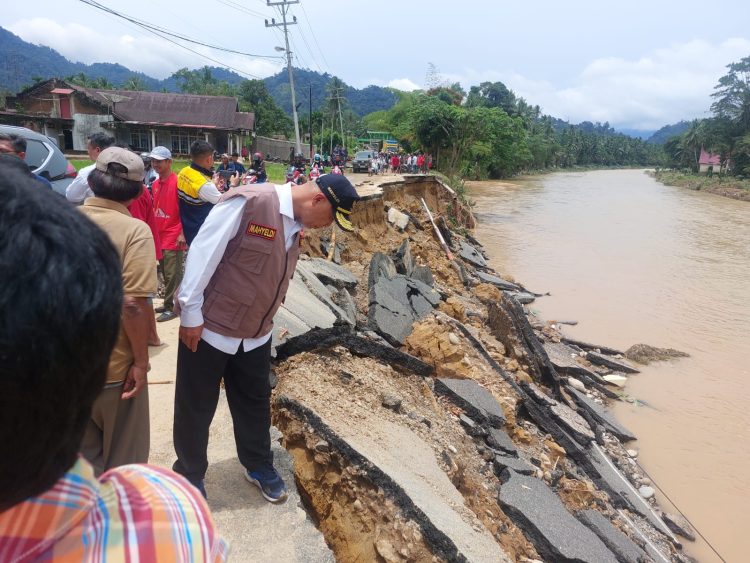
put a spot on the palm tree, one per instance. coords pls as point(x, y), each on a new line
point(692, 141)
point(135, 83)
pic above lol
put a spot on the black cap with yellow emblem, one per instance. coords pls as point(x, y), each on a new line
point(342, 195)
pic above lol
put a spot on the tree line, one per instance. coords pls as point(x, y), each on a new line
point(486, 132)
point(492, 132)
point(726, 132)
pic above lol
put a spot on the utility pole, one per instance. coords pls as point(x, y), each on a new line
point(284, 8)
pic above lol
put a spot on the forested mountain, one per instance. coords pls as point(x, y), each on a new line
point(668, 131)
point(22, 63)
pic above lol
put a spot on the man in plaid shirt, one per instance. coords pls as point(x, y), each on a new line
point(60, 301)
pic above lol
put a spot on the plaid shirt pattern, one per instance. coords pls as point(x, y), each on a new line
point(132, 513)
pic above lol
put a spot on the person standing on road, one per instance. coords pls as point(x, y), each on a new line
point(118, 431)
point(236, 277)
point(167, 212)
point(196, 189)
point(79, 189)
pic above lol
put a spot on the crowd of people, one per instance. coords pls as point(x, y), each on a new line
point(76, 290)
point(400, 163)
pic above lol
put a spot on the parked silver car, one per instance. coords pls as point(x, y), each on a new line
point(44, 157)
point(362, 160)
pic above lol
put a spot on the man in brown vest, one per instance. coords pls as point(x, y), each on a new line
point(236, 277)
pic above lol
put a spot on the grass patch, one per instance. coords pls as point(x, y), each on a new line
point(700, 181)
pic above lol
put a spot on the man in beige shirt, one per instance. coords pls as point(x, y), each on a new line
point(118, 431)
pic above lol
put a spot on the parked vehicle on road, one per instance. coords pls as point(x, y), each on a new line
point(362, 160)
point(44, 157)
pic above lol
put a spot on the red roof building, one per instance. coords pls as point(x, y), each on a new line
point(143, 120)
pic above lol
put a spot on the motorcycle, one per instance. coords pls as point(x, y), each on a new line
point(296, 175)
point(251, 177)
point(315, 172)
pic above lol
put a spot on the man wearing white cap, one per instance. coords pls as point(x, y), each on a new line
point(118, 431)
point(167, 212)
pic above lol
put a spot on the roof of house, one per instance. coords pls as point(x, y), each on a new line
point(709, 158)
point(164, 108)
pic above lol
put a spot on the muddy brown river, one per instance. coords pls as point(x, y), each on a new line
point(635, 261)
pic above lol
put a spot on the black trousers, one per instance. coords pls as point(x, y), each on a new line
point(197, 395)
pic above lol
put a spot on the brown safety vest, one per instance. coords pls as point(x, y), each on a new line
point(251, 280)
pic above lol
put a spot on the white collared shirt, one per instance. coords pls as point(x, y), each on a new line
point(78, 190)
point(204, 256)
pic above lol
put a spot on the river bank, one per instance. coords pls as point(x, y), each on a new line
point(635, 261)
point(726, 187)
point(425, 416)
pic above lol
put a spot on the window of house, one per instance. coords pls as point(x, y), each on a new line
point(140, 140)
point(181, 141)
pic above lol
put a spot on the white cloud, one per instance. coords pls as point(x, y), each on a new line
point(147, 53)
point(661, 87)
point(403, 84)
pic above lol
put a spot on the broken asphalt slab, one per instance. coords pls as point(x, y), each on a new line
point(472, 255)
point(330, 273)
point(342, 335)
point(563, 357)
point(318, 289)
point(601, 414)
point(593, 347)
point(475, 400)
point(562, 414)
point(396, 301)
point(555, 532)
point(306, 306)
point(615, 482)
point(497, 282)
point(625, 549)
point(400, 463)
point(610, 362)
point(499, 439)
point(504, 464)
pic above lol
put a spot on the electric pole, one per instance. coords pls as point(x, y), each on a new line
point(284, 8)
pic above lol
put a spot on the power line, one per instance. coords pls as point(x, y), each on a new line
point(241, 8)
point(312, 32)
point(160, 30)
point(697, 531)
point(309, 50)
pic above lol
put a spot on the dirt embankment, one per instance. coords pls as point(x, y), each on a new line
point(411, 450)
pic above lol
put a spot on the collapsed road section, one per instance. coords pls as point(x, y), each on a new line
point(431, 417)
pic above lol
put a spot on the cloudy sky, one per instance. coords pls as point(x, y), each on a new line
point(636, 64)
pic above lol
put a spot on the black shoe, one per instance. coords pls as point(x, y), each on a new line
point(159, 309)
point(166, 316)
point(201, 487)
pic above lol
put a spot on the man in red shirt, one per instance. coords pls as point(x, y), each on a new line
point(167, 212)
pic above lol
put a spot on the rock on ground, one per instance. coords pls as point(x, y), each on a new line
point(645, 354)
